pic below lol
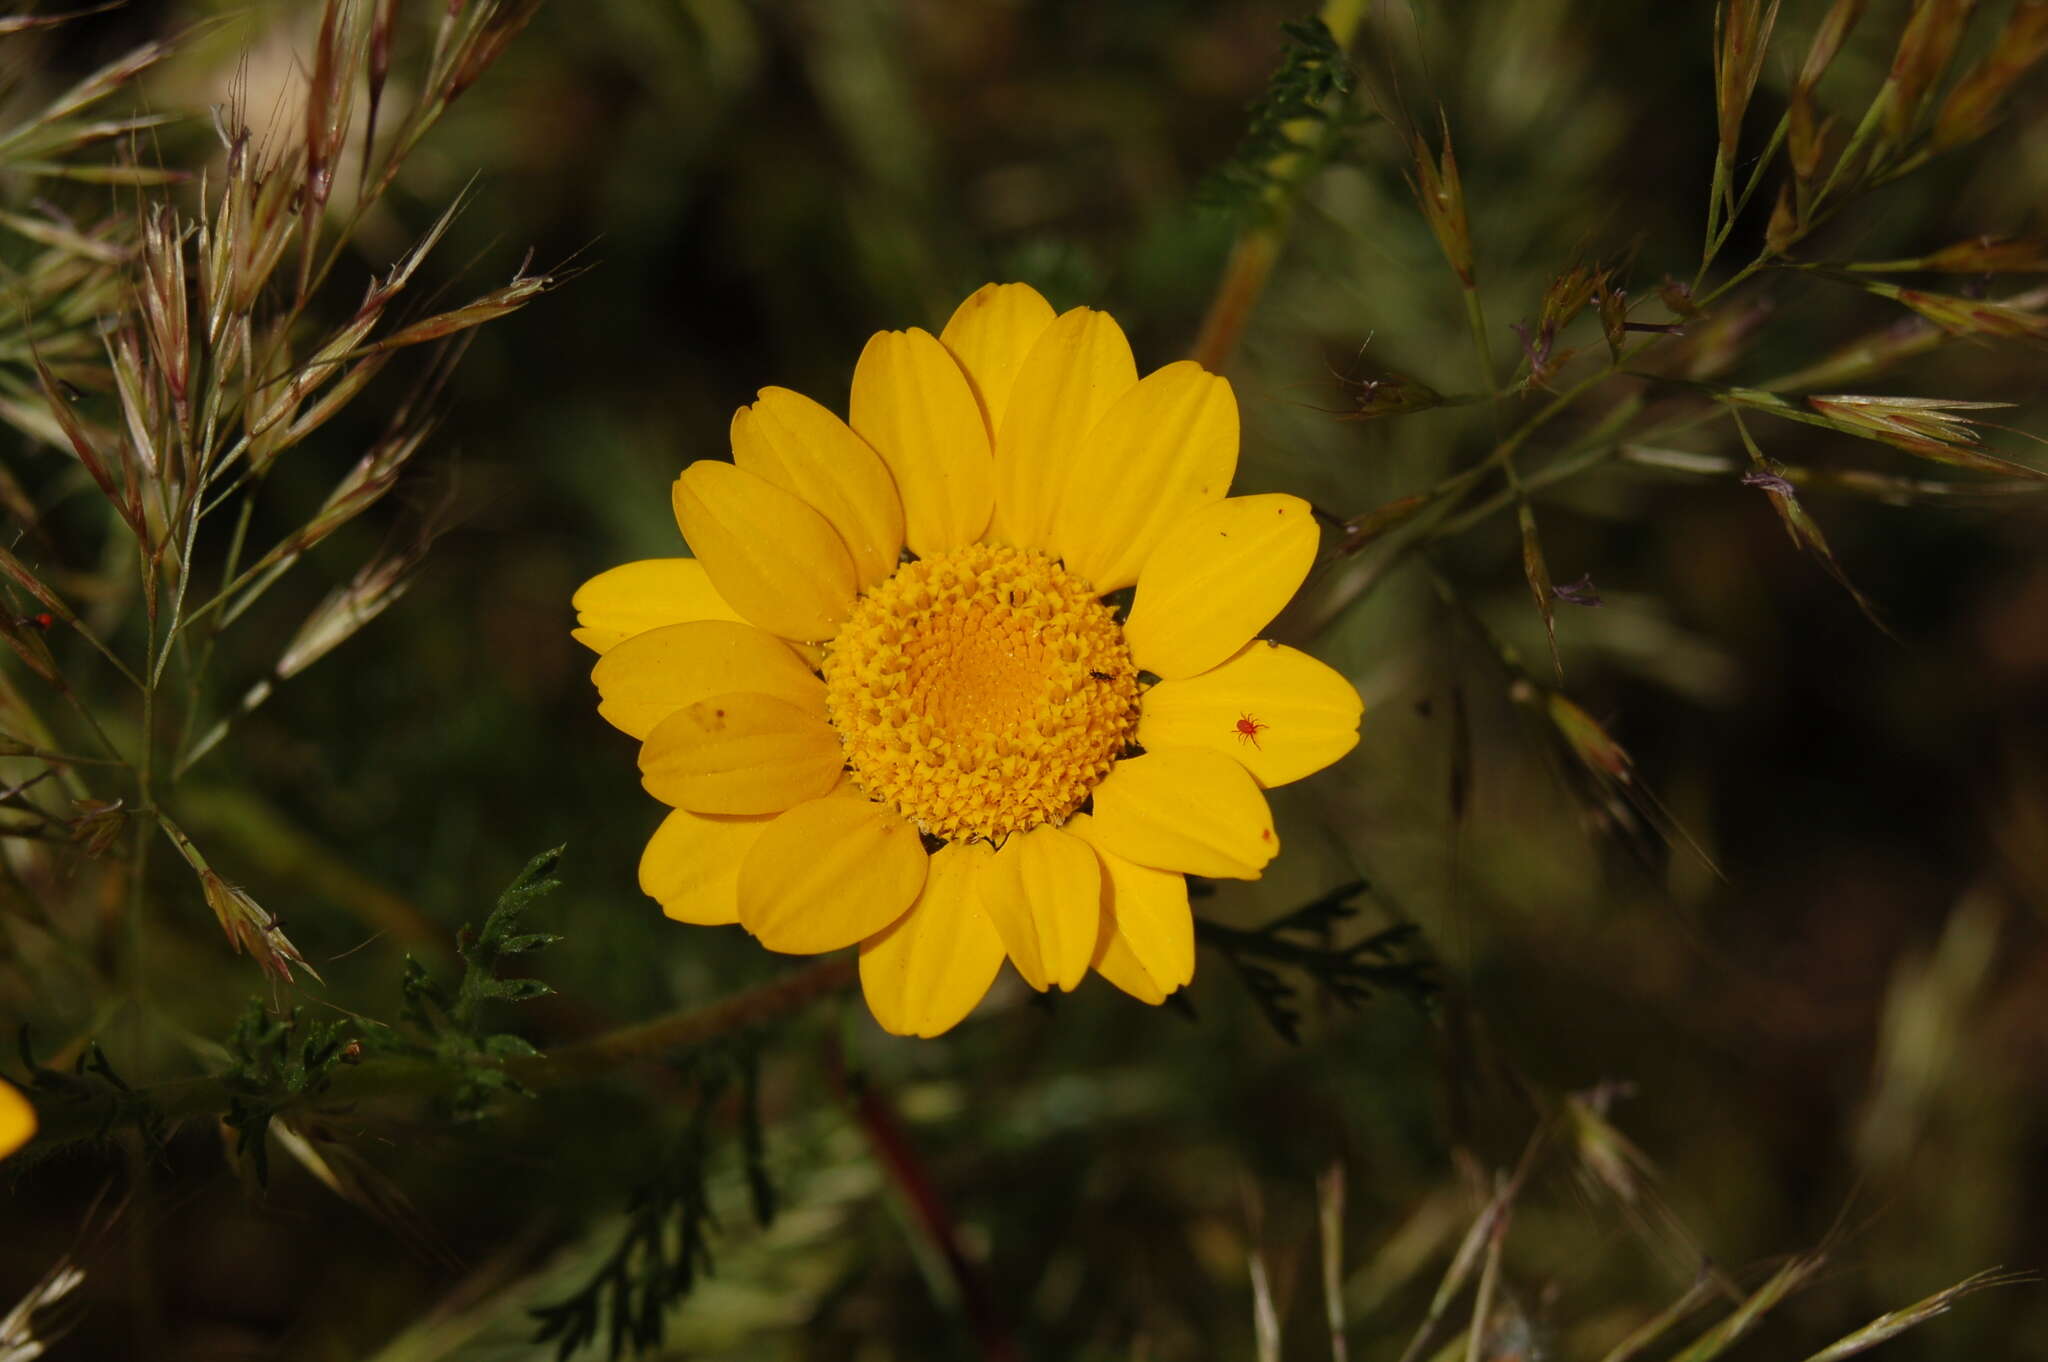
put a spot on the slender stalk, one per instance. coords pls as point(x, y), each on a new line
point(1257, 248)
point(195, 694)
point(1716, 194)
point(134, 970)
point(91, 721)
point(1489, 1279)
point(691, 1026)
point(1252, 258)
point(1756, 175)
point(1858, 139)
point(186, 1098)
point(899, 1158)
point(1475, 322)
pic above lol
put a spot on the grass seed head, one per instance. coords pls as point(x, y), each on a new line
point(1613, 307)
point(1926, 48)
point(1827, 41)
point(1932, 427)
point(1587, 740)
point(251, 929)
point(1742, 34)
point(1970, 316)
point(1806, 136)
point(1363, 529)
point(346, 610)
point(1442, 196)
point(1785, 226)
point(1990, 255)
point(1972, 107)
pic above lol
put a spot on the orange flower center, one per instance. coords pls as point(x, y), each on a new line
point(982, 691)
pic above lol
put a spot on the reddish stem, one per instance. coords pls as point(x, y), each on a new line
point(906, 1170)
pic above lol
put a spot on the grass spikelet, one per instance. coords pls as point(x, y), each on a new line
point(1931, 427)
point(1835, 28)
point(1537, 574)
point(164, 306)
point(248, 927)
point(338, 58)
point(499, 302)
point(379, 70)
point(1441, 194)
point(1806, 535)
point(1926, 47)
point(1895, 1322)
point(115, 76)
point(1969, 316)
point(1742, 35)
point(1927, 1012)
point(1364, 528)
point(119, 484)
point(1972, 107)
point(1979, 255)
point(348, 609)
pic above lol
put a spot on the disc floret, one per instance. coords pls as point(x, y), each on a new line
point(981, 692)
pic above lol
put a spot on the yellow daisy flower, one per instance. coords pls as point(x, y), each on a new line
point(17, 1120)
point(959, 753)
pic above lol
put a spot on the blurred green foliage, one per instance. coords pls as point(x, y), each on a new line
point(1837, 1039)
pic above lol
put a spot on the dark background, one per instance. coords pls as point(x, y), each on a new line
point(1837, 1038)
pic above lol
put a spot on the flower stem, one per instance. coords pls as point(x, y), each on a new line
point(905, 1167)
point(1258, 245)
point(690, 1026)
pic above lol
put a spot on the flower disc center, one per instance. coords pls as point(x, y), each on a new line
point(982, 691)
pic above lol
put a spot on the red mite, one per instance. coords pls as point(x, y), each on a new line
point(1248, 730)
point(40, 621)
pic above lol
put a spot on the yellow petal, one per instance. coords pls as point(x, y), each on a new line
point(652, 675)
point(1277, 710)
point(927, 971)
point(1187, 809)
point(990, 334)
point(740, 752)
point(911, 401)
point(17, 1120)
point(1216, 579)
point(1045, 898)
point(1076, 371)
point(767, 551)
point(1147, 943)
point(1168, 447)
point(691, 866)
point(1120, 965)
point(635, 597)
point(830, 873)
point(802, 448)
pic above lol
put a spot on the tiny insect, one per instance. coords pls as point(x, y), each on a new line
point(1248, 730)
point(38, 621)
